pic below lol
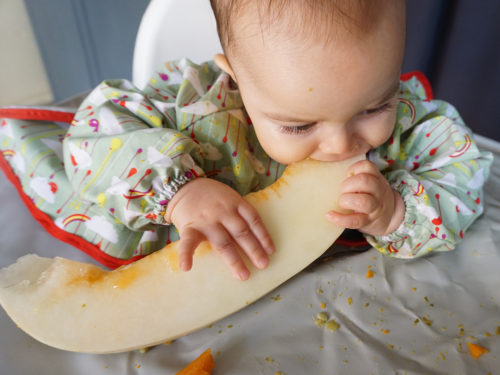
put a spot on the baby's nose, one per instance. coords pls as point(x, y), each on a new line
point(337, 142)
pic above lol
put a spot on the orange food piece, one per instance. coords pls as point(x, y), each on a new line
point(476, 350)
point(369, 274)
point(203, 365)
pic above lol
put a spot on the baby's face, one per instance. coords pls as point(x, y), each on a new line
point(329, 103)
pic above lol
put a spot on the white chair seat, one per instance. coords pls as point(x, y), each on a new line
point(173, 29)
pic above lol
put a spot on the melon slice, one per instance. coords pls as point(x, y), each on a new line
point(80, 307)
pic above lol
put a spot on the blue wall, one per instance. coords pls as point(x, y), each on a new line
point(83, 42)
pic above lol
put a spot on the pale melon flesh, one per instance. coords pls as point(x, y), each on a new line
point(80, 307)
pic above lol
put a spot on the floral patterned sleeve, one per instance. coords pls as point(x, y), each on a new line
point(433, 161)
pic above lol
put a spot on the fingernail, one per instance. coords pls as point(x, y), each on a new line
point(244, 274)
point(270, 250)
point(184, 266)
point(262, 262)
point(331, 216)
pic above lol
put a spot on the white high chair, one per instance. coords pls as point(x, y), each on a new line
point(173, 29)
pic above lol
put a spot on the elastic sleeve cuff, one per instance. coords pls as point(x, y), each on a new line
point(400, 243)
point(166, 188)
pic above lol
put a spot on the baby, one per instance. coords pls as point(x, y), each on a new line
point(319, 80)
point(299, 79)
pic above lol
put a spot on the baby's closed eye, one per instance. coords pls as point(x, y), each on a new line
point(298, 129)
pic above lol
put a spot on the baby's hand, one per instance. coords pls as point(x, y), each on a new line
point(376, 208)
point(205, 209)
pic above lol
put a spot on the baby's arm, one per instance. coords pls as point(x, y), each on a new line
point(439, 172)
point(120, 153)
point(205, 209)
point(136, 153)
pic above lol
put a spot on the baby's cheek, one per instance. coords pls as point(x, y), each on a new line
point(283, 148)
point(384, 132)
point(288, 152)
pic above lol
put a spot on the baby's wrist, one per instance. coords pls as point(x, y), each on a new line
point(179, 195)
point(398, 213)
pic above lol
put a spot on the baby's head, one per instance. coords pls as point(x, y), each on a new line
point(318, 78)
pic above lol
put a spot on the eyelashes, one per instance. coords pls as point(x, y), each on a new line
point(385, 107)
point(301, 129)
point(306, 128)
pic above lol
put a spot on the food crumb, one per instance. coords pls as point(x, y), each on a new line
point(269, 359)
point(349, 301)
point(369, 274)
point(332, 325)
point(276, 298)
point(462, 332)
point(322, 316)
point(323, 305)
point(203, 364)
point(476, 350)
point(427, 321)
point(319, 323)
point(319, 291)
point(497, 331)
point(386, 332)
point(414, 289)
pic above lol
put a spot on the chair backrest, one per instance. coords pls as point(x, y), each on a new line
point(173, 29)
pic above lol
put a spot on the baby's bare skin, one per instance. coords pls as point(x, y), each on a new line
point(206, 209)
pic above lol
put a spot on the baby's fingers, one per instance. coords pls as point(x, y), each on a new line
point(190, 238)
point(227, 248)
point(351, 221)
point(256, 225)
point(363, 166)
point(362, 183)
point(247, 241)
point(359, 203)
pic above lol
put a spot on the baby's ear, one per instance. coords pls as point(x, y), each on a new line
point(222, 62)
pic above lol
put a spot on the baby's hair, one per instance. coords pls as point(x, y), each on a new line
point(315, 19)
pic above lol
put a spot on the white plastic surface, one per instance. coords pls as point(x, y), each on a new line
point(174, 29)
